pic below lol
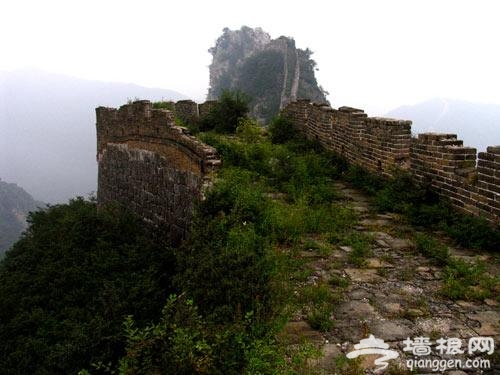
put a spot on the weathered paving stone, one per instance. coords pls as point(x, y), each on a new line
point(347, 249)
point(434, 325)
point(329, 353)
point(356, 310)
point(391, 308)
point(359, 294)
point(382, 243)
point(375, 222)
point(392, 330)
point(400, 244)
point(395, 296)
point(491, 302)
point(377, 263)
point(296, 332)
point(489, 322)
point(363, 275)
point(409, 289)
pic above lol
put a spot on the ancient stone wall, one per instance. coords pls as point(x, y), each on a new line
point(151, 166)
point(384, 145)
point(205, 108)
point(187, 111)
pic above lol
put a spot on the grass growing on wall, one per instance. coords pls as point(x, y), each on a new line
point(234, 274)
point(422, 207)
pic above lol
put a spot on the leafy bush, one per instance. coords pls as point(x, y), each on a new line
point(67, 284)
point(282, 130)
point(248, 130)
point(227, 252)
point(179, 342)
point(224, 116)
point(432, 248)
point(474, 232)
point(164, 105)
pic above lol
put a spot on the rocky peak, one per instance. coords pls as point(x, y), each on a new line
point(272, 72)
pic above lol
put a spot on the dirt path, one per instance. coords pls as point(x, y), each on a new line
point(393, 296)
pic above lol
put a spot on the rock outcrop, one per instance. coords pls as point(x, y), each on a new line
point(272, 72)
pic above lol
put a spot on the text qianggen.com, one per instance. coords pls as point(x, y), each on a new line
point(447, 364)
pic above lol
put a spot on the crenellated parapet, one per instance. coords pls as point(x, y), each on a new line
point(471, 182)
point(378, 144)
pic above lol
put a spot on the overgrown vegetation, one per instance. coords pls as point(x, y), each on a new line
point(462, 279)
point(92, 289)
point(164, 105)
point(226, 113)
point(422, 207)
point(79, 274)
point(66, 286)
point(232, 269)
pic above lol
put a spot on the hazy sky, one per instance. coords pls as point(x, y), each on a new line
point(371, 54)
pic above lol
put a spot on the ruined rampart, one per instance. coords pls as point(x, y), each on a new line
point(150, 165)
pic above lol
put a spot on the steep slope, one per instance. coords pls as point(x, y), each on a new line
point(272, 72)
point(15, 204)
point(47, 129)
point(477, 124)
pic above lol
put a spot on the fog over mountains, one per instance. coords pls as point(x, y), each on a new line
point(15, 205)
point(47, 130)
point(48, 141)
point(477, 124)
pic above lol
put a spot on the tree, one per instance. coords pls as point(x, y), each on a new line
point(67, 285)
point(224, 116)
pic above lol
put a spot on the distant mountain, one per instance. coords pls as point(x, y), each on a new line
point(477, 124)
point(15, 204)
point(271, 72)
point(47, 129)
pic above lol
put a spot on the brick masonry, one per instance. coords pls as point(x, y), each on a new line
point(382, 145)
point(152, 166)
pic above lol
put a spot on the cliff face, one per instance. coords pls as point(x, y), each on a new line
point(15, 204)
point(272, 72)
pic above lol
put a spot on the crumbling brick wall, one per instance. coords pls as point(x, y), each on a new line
point(151, 166)
point(187, 111)
point(383, 145)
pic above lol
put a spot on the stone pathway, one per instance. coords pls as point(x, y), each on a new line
point(394, 297)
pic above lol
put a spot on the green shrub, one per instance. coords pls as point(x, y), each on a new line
point(361, 247)
point(362, 179)
point(224, 116)
point(66, 285)
point(282, 130)
point(248, 130)
point(463, 280)
point(164, 105)
point(432, 248)
point(178, 343)
point(320, 317)
point(226, 265)
point(474, 232)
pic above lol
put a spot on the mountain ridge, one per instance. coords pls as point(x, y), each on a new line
point(477, 124)
point(47, 129)
point(15, 205)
